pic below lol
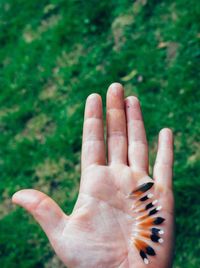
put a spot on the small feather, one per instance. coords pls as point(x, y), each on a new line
point(150, 251)
point(153, 211)
point(155, 238)
point(143, 188)
point(144, 198)
point(143, 255)
point(158, 220)
point(148, 206)
point(156, 231)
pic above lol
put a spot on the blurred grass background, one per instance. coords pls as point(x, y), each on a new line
point(52, 55)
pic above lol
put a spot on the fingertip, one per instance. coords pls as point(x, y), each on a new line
point(16, 198)
point(166, 135)
point(167, 131)
point(93, 100)
point(116, 89)
point(94, 96)
point(132, 100)
point(93, 106)
point(133, 109)
point(13, 198)
point(26, 197)
point(116, 85)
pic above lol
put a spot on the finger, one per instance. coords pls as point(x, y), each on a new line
point(164, 160)
point(137, 141)
point(93, 147)
point(45, 211)
point(116, 125)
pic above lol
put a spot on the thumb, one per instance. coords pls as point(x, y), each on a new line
point(45, 211)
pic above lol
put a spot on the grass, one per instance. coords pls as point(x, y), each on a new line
point(53, 54)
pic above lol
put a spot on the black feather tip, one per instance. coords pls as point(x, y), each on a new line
point(150, 251)
point(159, 220)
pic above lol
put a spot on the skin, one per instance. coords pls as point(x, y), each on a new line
point(98, 232)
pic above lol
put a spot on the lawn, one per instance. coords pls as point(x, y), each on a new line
point(52, 55)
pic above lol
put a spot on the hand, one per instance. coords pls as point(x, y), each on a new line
point(111, 226)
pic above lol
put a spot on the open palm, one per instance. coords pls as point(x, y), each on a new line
point(122, 217)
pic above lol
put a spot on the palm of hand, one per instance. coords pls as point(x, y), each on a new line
point(100, 231)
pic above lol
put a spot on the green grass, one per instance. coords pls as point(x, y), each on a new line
point(53, 54)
